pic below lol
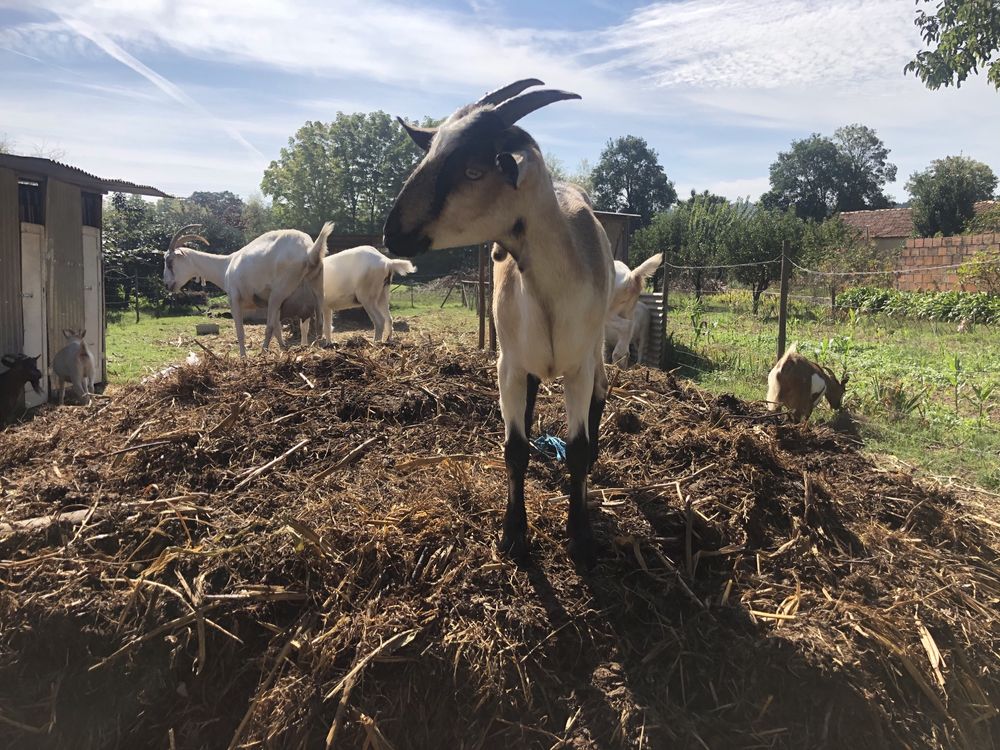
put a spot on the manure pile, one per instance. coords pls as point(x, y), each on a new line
point(300, 552)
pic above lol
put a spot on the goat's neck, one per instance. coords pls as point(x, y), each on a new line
point(208, 266)
point(543, 249)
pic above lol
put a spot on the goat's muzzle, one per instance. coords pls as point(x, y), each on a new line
point(405, 244)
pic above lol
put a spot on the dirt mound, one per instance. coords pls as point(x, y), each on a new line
point(301, 550)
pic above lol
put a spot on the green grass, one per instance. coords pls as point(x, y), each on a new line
point(902, 375)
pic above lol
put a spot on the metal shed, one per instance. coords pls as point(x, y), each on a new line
point(51, 265)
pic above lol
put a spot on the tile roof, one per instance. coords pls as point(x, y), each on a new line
point(37, 167)
point(883, 222)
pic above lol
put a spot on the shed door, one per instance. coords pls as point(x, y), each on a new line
point(93, 296)
point(33, 306)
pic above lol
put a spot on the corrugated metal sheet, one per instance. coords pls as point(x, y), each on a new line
point(653, 355)
point(11, 329)
point(64, 232)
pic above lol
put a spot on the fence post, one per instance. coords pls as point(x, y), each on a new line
point(786, 270)
point(489, 306)
point(136, 289)
point(482, 297)
point(664, 334)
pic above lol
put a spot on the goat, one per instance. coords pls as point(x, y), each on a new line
point(74, 364)
point(20, 370)
point(265, 271)
point(633, 331)
point(798, 385)
point(481, 179)
point(628, 287)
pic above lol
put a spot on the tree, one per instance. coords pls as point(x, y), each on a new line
point(258, 217)
point(965, 35)
point(944, 194)
point(818, 176)
point(348, 171)
point(758, 237)
point(133, 240)
point(834, 247)
point(865, 168)
point(629, 178)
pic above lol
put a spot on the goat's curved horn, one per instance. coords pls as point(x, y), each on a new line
point(505, 93)
point(183, 235)
point(514, 109)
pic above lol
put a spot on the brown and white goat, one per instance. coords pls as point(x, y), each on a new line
point(484, 179)
point(20, 371)
point(798, 385)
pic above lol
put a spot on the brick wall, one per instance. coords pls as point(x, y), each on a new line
point(939, 251)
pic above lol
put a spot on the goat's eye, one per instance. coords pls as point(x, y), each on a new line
point(473, 174)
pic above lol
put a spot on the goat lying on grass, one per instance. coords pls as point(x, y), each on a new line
point(484, 179)
point(74, 364)
point(20, 370)
point(798, 385)
point(266, 271)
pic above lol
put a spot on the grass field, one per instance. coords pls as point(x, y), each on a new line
point(905, 376)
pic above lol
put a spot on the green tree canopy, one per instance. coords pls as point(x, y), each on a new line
point(628, 177)
point(964, 36)
point(349, 171)
point(819, 176)
point(944, 194)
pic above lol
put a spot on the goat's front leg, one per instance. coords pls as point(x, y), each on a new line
point(582, 409)
point(237, 311)
point(596, 411)
point(517, 402)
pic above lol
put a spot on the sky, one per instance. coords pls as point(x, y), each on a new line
point(194, 95)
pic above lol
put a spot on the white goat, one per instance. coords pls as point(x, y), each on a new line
point(266, 271)
point(482, 179)
point(74, 364)
point(633, 331)
point(629, 284)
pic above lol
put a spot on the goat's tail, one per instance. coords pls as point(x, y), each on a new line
point(400, 267)
point(647, 268)
point(318, 251)
point(773, 389)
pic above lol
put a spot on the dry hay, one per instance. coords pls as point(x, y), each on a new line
point(300, 550)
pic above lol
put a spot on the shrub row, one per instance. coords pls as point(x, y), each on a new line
point(978, 307)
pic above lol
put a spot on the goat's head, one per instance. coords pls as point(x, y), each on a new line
point(74, 335)
point(27, 367)
point(480, 169)
point(835, 388)
point(177, 272)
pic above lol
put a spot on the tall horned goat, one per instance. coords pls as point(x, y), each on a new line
point(798, 384)
point(266, 271)
point(483, 179)
point(620, 326)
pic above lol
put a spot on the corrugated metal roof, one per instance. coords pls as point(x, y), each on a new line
point(36, 167)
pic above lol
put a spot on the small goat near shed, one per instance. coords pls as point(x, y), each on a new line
point(20, 370)
point(264, 272)
point(634, 332)
point(74, 364)
point(620, 324)
point(484, 179)
point(798, 385)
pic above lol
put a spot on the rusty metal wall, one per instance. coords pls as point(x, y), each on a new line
point(64, 234)
point(11, 328)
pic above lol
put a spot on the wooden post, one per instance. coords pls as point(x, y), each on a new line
point(136, 289)
point(489, 308)
point(482, 296)
point(666, 306)
point(786, 270)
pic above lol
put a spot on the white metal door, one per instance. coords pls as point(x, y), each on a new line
point(33, 306)
point(93, 294)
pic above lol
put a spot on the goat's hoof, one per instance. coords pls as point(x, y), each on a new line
point(514, 544)
point(583, 551)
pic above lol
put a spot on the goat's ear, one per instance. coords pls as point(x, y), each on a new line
point(83, 332)
point(421, 136)
point(68, 333)
point(8, 360)
point(515, 165)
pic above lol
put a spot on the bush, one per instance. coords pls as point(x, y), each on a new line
point(978, 307)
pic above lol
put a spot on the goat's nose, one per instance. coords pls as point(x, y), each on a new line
point(404, 243)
